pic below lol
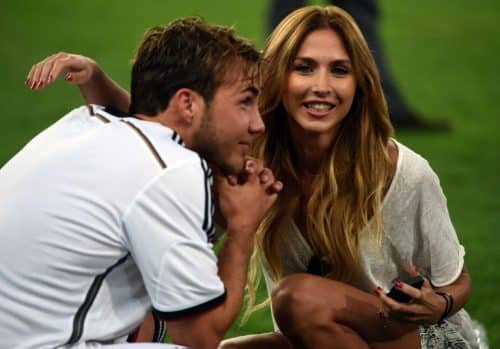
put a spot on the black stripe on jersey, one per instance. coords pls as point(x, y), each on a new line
point(82, 312)
point(211, 233)
point(208, 225)
point(175, 315)
point(160, 333)
point(211, 230)
point(176, 138)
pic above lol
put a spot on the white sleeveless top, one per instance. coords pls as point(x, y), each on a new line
point(417, 230)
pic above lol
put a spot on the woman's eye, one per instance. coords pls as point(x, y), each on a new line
point(340, 70)
point(303, 68)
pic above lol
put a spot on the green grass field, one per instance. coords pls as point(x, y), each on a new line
point(444, 55)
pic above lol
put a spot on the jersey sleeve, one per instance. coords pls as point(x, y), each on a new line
point(441, 248)
point(167, 229)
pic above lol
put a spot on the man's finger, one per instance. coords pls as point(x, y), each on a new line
point(232, 180)
point(266, 175)
point(249, 166)
point(276, 187)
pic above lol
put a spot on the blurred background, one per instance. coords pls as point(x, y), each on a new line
point(444, 56)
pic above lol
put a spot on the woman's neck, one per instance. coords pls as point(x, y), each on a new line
point(310, 150)
point(310, 147)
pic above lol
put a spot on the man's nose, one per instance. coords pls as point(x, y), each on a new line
point(256, 122)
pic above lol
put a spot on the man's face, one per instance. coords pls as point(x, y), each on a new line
point(230, 124)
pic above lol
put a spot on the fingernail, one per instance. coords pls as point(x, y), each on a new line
point(232, 179)
point(27, 82)
point(377, 291)
point(49, 79)
point(249, 165)
point(33, 85)
point(398, 283)
point(40, 84)
point(264, 178)
point(68, 77)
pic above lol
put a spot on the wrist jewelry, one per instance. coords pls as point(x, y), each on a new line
point(449, 305)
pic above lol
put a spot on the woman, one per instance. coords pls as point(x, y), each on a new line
point(359, 209)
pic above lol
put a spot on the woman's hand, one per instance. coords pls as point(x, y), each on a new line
point(95, 86)
point(76, 69)
point(426, 306)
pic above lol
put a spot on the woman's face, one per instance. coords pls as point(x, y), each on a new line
point(321, 85)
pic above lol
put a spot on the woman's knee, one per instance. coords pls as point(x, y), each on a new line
point(298, 300)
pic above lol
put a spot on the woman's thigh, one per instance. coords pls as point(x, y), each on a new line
point(305, 297)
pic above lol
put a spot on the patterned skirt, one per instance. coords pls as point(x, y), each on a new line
point(442, 336)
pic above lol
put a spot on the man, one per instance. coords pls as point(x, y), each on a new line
point(106, 215)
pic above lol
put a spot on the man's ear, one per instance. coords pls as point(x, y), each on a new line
point(188, 104)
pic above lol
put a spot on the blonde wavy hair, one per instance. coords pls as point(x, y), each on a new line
point(354, 174)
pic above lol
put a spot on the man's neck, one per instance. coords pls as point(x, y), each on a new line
point(172, 123)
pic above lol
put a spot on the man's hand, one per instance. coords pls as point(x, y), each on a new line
point(76, 69)
point(244, 200)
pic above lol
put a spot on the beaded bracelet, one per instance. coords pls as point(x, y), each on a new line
point(449, 305)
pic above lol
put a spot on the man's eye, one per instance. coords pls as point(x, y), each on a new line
point(247, 101)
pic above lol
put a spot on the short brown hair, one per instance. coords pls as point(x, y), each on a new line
point(186, 53)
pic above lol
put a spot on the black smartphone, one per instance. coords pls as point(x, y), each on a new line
point(401, 297)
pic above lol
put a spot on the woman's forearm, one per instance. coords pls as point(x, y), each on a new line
point(460, 290)
point(102, 90)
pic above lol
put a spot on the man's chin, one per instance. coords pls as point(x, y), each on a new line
point(233, 168)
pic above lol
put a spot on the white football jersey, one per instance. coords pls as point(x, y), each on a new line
point(102, 218)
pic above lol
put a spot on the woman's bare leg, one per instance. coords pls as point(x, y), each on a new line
point(315, 312)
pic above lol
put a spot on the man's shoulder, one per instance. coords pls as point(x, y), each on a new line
point(165, 144)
